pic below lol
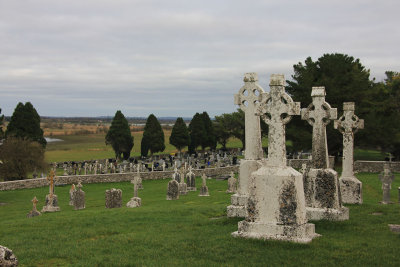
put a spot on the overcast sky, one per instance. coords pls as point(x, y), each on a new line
point(175, 58)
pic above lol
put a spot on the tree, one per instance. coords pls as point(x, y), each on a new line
point(345, 80)
point(210, 140)
point(19, 156)
point(197, 132)
point(222, 128)
point(180, 135)
point(119, 136)
point(153, 137)
point(1, 126)
point(25, 124)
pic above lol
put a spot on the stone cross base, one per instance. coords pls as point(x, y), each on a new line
point(183, 189)
point(134, 202)
point(238, 207)
point(204, 192)
point(192, 189)
point(33, 213)
point(51, 204)
point(316, 214)
point(303, 233)
point(351, 190)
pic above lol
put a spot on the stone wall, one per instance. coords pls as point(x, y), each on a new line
point(374, 166)
point(108, 178)
point(296, 163)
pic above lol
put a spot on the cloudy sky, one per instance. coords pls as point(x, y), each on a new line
point(175, 58)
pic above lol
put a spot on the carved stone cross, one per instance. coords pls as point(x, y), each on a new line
point(348, 124)
point(276, 110)
point(51, 179)
point(34, 202)
point(248, 99)
point(135, 187)
point(318, 114)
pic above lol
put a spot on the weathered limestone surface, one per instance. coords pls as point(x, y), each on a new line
point(34, 212)
point(348, 124)
point(276, 204)
point(248, 99)
point(232, 182)
point(191, 180)
point(173, 190)
point(374, 166)
point(386, 178)
point(204, 188)
point(136, 201)
point(79, 198)
point(7, 257)
point(71, 195)
point(113, 198)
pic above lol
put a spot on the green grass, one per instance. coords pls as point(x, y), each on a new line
point(191, 231)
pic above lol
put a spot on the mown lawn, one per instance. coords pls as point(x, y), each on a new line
point(191, 231)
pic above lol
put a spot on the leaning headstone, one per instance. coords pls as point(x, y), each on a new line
point(7, 257)
point(113, 198)
point(231, 184)
point(136, 201)
point(34, 212)
point(71, 195)
point(348, 124)
point(276, 206)
point(386, 178)
point(173, 190)
point(79, 198)
point(191, 180)
point(321, 184)
point(51, 202)
point(248, 99)
point(204, 188)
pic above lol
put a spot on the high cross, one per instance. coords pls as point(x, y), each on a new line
point(318, 114)
point(276, 109)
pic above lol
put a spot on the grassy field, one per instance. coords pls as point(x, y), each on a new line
point(191, 231)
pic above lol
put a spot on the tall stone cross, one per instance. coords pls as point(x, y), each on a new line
point(348, 124)
point(276, 109)
point(34, 202)
point(318, 114)
point(51, 179)
point(248, 99)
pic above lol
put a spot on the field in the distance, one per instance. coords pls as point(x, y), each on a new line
point(191, 231)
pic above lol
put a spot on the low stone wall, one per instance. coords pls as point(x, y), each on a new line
point(296, 163)
point(374, 166)
point(108, 178)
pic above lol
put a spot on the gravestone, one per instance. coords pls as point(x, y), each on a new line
point(71, 195)
point(182, 184)
point(176, 176)
point(321, 184)
point(276, 205)
point(231, 184)
point(386, 178)
point(51, 202)
point(191, 180)
point(113, 198)
point(248, 99)
point(34, 212)
point(79, 198)
point(135, 201)
point(173, 190)
point(138, 179)
point(204, 188)
point(348, 124)
point(7, 257)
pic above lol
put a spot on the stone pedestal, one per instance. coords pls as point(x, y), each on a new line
point(134, 202)
point(173, 190)
point(51, 204)
point(276, 208)
point(322, 194)
point(204, 191)
point(113, 198)
point(351, 190)
point(33, 213)
point(231, 185)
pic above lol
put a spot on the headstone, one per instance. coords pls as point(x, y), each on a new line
point(135, 201)
point(65, 170)
point(386, 178)
point(231, 184)
point(173, 190)
point(79, 198)
point(248, 99)
point(176, 176)
point(348, 124)
point(182, 184)
point(7, 257)
point(204, 188)
point(71, 195)
point(321, 184)
point(276, 206)
point(191, 180)
point(34, 212)
point(51, 202)
point(113, 198)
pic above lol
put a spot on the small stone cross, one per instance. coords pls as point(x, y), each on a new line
point(51, 179)
point(348, 124)
point(34, 202)
point(248, 99)
point(135, 187)
point(386, 178)
point(276, 110)
point(318, 114)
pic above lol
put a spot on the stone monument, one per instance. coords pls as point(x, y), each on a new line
point(7, 257)
point(51, 202)
point(386, 178)
point(191, 180)
point(348, 124)
point(173, 190)
point(276, 205)
point(231, 184)
point(71, 195)
point(79, 198)
point(182, 184)
point(204, 188)
point(176, 176)
point(321, 184)
point(248, 99)
point(34, 212)
point(113, 198)
point(136, 201)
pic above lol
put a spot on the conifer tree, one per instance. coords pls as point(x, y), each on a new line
point(197, 132)
point(119, 136)
point(153, 137)
point(180, 135)
point(210, 140)
point(1, 125)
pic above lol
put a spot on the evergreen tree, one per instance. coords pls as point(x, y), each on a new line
point(153, 137)
point(197, 132)
point(119, 136)
point(25, 123)
point(180, 135)
point(222, 128)
point(1, 125)
point(210, 140)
